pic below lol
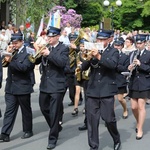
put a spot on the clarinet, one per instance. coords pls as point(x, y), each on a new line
point(134, 65)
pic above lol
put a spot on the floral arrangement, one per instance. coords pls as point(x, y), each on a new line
point(69, 16)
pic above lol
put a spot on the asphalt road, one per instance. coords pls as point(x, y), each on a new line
point(70, 137)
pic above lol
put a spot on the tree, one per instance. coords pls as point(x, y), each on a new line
point(131, 16)
point(91, 13)
point(35, 9)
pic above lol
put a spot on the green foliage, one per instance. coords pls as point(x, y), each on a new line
point(129, 16)
point(146, 9)
point(70, 4)
point(91, 13)
point(133, 14)
point(34, 9)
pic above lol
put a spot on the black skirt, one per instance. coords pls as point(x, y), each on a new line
point(139, 94)
point(122, 90)
point(78, 83)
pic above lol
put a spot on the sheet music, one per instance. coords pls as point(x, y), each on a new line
point(90, 46)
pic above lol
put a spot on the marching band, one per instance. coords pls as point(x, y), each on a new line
point(105, 74)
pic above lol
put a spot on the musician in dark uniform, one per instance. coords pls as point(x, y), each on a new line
point(81, 78)
point(53, 83)
point(101, 89)
point(1, 75)
point(70, 70)
point(139, 85)
point(122, 66)
point(18, 89)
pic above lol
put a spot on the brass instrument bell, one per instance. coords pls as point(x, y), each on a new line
point(32, 58)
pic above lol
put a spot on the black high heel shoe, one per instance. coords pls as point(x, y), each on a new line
point(75, 112)
point(125, 117)
point(139, 137)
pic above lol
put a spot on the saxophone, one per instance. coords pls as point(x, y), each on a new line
point(85, 74)
point(81, 74)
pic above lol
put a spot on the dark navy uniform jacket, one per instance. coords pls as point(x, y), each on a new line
point(53, 79)
point(102, 82)
point(140, 79)
point(20, 78)
point(122, 66)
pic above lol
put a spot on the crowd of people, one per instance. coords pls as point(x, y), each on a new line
point(120, 69)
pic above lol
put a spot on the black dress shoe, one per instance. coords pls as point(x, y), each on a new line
point(84, 127)
point(117, 146)
point(51, 146)
point(27, 135)
point(71, 104)
point(4, 137)
point(75, 112)
point(124, 117)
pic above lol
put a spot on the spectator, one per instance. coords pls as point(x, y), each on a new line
point(41, 41)
point(2, 26)
point(68, 28)
point(129, 45)
point(64, 38)
point(31, 39)
point(9, 32)
point(3, 40)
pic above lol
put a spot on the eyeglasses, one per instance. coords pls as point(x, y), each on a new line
point(139, 43)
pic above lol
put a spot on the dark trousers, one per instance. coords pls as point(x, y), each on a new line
point(103, 107)
point(50, 105)
point(12, 104)
point(62, 107)
point(84, 85)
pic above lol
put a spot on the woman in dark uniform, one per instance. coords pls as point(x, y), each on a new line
point(81, 79)
point(122, 66)
point(139, 86)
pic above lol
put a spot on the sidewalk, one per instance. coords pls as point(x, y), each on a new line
point(70, 138)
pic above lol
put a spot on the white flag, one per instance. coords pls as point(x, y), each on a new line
point(49, 22)
point(40, 27)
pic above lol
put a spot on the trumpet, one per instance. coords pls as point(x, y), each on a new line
point(86, 55)
point(10, 54)
point(32, 58)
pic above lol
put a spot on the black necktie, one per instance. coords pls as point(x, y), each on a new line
point(138, 56)
point(52, 48)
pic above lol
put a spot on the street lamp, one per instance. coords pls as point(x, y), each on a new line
point(107, 3)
